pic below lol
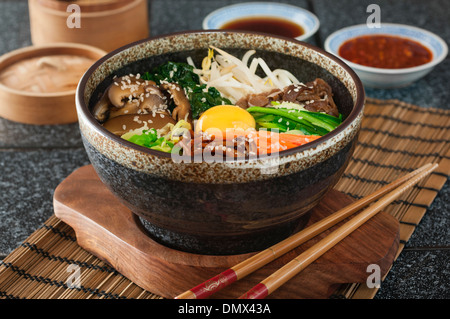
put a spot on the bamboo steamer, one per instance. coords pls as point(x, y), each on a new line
point(106, 24)
point(36, 107)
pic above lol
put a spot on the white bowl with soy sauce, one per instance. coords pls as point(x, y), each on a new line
point(267, 17)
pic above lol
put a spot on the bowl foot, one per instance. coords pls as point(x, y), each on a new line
point(223, 245)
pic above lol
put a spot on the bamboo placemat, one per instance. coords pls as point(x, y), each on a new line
point(395, 139)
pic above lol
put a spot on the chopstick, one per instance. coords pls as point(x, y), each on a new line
point(285, 273)
point(239, 271)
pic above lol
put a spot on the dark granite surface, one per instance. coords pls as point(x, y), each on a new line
point(35, 159)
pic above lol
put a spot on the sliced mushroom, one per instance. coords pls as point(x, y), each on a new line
point(131, 107)
point(153, 100)
point(125, 89)
point(128, 95)
point(102, 108)
point(124, 123)
point(153, 89)
point(182, 110)
point(152, 103)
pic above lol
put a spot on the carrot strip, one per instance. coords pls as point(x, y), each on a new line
point(298, 139)
point(268, 141)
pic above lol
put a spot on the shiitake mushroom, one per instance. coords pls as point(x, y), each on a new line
point(130, 103)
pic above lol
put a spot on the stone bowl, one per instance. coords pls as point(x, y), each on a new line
point(221, 208)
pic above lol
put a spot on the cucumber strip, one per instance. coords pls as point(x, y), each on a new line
point(293, 115)
point(269, 125)
point(332, 120)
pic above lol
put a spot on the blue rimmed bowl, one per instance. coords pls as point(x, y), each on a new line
point(307, 20)
point(389, 78)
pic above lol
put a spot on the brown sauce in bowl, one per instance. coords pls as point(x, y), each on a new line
point(386, 52)
point(46, 74)
point(270, 25)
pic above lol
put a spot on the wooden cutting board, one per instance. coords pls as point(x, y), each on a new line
point(111, 232)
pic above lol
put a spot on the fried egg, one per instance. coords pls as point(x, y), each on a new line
point(220, 118)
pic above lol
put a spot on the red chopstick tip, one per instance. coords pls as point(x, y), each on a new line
point(259, 291)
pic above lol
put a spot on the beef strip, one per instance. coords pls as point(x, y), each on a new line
point(316, 96)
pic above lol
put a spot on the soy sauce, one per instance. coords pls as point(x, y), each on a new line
point(270, 25)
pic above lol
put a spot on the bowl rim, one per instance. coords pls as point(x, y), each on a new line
point(304, 36)
point(358, 104)
point(435, 61)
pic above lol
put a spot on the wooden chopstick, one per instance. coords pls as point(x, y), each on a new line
point(239, 271)
point(285, 273)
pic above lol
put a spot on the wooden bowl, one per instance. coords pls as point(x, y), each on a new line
point(106, 24)
point(41, 108)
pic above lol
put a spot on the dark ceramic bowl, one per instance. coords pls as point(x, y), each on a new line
point(221, 208)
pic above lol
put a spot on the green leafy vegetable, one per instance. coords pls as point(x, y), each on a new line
point(165, 143)
point(294, 120)
point(200, 98)
point(149, 138)
point(182, 73)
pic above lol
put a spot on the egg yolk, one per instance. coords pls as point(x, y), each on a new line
point(219, 118)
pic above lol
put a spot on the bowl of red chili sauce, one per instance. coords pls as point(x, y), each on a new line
point(390, 56)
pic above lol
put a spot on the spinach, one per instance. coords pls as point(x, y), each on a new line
point(182, 73)
point(198, 95)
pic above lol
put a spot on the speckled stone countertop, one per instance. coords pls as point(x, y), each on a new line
point(35, 159)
